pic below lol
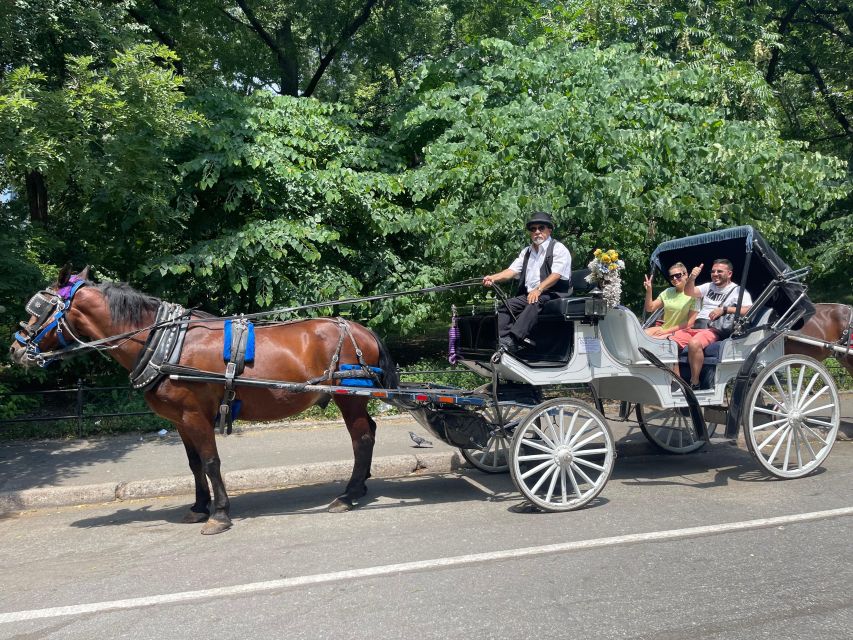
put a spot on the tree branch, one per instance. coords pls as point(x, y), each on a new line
point(258, 28)
point(348, 32)
point(829, 98)
point(162, 35)
point(784, 23)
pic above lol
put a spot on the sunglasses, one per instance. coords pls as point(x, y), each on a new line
point(536, 227)
point(676, 276)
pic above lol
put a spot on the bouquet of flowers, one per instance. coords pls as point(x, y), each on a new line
point(604, 273)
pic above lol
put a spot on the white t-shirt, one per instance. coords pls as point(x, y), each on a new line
point(713, 297)
point(562, 263)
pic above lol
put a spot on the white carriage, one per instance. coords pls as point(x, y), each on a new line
point(561, 452)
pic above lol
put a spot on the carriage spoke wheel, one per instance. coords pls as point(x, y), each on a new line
point(493, 459)
point(792, 416)
point(671, 429)
point(562, 454)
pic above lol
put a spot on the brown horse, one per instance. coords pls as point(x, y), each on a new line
point(297, 351)
point(830, 323)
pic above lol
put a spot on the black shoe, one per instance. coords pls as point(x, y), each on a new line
point(508, 345)
point(695, 387)
point(527, 342)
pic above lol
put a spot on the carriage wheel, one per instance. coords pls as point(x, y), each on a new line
point(562, 454)
point(493, 459)
point(792, 416)
point(671, 429)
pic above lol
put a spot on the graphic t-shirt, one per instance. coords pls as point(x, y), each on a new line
point(677, 306)
point(713, 297)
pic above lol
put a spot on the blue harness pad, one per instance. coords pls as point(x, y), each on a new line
point(250, 342)
point(358, 382)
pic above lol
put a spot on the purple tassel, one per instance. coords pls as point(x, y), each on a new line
point(452, 341)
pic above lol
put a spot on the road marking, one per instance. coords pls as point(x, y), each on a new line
point(421, 565)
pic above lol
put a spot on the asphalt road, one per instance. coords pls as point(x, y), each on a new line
point(699, 546)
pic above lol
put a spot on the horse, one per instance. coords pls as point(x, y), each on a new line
point(831, 323)
point(116, 318)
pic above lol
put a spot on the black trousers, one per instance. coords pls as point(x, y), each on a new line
point(527, 315)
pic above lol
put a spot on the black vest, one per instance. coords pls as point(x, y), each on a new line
point(561, 286)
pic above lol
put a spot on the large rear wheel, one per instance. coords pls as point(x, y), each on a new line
point(671, 429)
point(562, 454)
point(792, 416)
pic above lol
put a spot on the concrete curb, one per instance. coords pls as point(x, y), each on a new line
point(235, 481)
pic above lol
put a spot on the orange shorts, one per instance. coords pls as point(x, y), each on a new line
point(683, 336)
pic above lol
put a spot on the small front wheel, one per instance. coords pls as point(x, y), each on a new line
point(493, 459)
point(562, 455)
point(792, 416)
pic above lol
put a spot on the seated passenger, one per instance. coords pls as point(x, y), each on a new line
point(679, 309)
point(719, 298)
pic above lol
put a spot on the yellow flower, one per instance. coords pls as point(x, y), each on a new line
point(596, 253)
point(612, 267)
point(605, 258)
point(613, 255)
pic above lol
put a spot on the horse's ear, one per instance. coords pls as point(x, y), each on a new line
point(84, 275)
point(64, 274)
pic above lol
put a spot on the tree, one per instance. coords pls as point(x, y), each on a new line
point(626, 148)
point(102, 142)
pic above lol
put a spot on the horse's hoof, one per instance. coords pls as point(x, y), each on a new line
point(340, 505)
point(212, 527)
point(194, 517)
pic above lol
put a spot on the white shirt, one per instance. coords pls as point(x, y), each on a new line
point(562, 263)
point(713, 297)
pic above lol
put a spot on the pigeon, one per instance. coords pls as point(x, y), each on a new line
point(418, 440)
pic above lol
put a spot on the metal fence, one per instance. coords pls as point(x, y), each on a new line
point(80, 393)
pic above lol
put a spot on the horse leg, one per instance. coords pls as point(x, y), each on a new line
point(200, 511)
point(362, 430)
point(202, 439)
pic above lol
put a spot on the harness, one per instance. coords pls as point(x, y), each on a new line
point(238, 348)
point(561, 286)
point(163, 346)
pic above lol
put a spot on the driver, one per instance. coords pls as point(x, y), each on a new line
point(544, 269)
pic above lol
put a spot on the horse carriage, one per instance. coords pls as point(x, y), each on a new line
point(560, 451)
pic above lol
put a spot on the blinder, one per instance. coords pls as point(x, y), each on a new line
point(48, 307)
point(41, 305)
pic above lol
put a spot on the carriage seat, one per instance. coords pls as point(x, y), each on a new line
point(623, 336)
point(569, 308)
point(724, 349)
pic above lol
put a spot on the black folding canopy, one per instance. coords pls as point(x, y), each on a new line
point(756, 265)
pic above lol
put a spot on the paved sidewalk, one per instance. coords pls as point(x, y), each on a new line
point(39, 474)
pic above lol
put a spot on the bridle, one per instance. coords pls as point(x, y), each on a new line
point(49, 308)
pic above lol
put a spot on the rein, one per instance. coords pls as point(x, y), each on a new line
point(61, 306)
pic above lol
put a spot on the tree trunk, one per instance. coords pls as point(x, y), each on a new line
point(287, 57)
point(37, 197)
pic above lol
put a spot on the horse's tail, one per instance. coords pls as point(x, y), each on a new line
point(390, 379)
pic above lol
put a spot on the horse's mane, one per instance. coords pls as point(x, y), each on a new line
point(127, 305)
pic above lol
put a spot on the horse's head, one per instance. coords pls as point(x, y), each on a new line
point(45, 332)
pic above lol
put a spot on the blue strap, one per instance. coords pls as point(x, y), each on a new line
point(250, 342)
point(226, 347)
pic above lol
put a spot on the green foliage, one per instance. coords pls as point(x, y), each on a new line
point(103, 141)
point(625, 148)
point(287, 202)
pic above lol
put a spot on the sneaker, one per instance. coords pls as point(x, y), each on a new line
point(695, 387)
point(529, 343)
